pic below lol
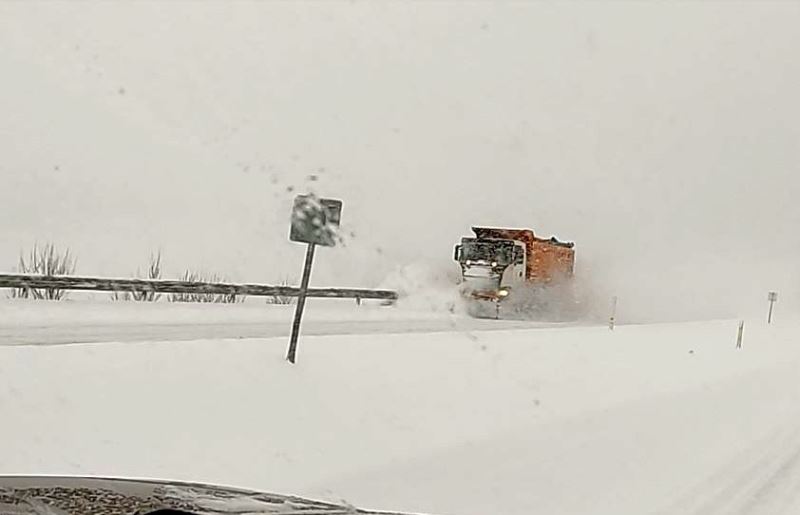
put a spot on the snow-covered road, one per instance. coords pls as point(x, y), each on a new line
point(31, 323)
point(728, 446)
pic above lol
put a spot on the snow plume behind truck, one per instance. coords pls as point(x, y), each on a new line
point(515, 271)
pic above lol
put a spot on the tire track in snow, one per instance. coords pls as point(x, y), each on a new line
point(778, 492)
point(763, 479)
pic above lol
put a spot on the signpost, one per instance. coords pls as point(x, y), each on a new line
point(772, 297)
point(314, 222)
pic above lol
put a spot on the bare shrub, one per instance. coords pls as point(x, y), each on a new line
point(153, 272)
point(48, 261)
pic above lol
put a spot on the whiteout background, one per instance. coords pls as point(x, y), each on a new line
point(661, 138)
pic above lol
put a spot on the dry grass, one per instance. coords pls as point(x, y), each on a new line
point(153, 272)
point(200, 277)
point(282, 300)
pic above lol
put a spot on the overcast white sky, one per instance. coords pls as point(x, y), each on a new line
point(662, 137)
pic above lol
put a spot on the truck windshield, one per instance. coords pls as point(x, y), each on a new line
point(500, 252)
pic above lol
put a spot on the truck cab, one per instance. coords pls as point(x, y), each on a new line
point(490, 267)
point(512, 267)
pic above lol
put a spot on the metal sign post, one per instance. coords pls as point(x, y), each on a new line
point(314, 221)
point(772, 297)
point(301, 303)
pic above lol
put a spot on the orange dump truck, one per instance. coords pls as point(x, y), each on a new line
point(512, 267)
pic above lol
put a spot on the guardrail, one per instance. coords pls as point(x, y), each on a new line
point(78, 283)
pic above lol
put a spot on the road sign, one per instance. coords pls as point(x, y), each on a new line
point(315, 220)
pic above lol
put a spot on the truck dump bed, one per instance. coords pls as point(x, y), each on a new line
point(548, 260)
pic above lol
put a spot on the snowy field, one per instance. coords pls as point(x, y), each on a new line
point(403, 410)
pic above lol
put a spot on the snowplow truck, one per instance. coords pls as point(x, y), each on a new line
point(516, 273)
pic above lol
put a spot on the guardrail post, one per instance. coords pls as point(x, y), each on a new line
point(612, 319)
point(740, 334)
point(772, 297)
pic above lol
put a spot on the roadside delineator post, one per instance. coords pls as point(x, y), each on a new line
point(314, 222)
point(612, 319)
point(772, 297)
point(740, 334)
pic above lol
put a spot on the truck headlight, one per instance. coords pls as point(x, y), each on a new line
point(502, 293)
point(494, 263)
